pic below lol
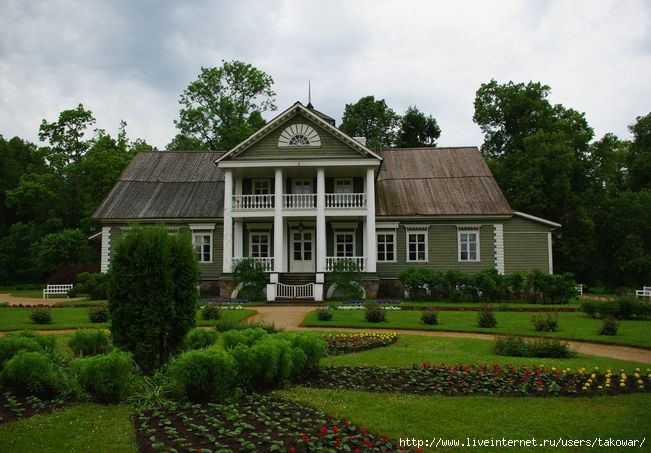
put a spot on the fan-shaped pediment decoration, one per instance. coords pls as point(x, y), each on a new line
point(299, 135)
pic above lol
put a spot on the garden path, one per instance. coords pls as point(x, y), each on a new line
point(290, 318)
point(16, 300)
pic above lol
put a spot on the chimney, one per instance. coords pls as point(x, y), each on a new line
point(362, 140)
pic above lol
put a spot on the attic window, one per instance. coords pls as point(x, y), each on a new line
point(299, 135)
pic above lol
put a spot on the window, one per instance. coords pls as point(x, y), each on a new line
point(345, 244)
point(468, 245)
point(261, 187)
point(259, 245)
point(417, 246)
point(301, 186)
point(202, 243)
point(386, 246)
point(298, 135)
point(343, 185)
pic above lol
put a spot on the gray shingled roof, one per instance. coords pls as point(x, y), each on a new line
point(419, 181)
point(437, 181)
point(167, 184)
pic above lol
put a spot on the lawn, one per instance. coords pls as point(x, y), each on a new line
point(75, 318)
point(428, 417)
point(77, 428)
point(574, 326)
point(574, 303)
point(414, 349)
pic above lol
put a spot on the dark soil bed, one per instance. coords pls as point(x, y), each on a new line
point(13, 407)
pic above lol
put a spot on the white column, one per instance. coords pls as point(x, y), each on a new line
point(549, 253)
point(320, 221)
point(106, 250)
point(370, 238)
point(228, 222)
point(279, 246)
point(499, 247)
point(238, 234)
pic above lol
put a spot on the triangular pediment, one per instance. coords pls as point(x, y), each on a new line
point(298, 133)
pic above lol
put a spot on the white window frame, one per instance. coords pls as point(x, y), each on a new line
point(391, 233)
point(348, 181)
point(263, 181)
point(201, 234)
point(353, 233)
point(259, 233)
point(414, 231)
point(303, 180)
point(467, 230)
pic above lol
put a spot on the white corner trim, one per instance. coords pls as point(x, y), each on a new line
point(202, 226)
point(536, 219)
point(387, 225)
point(499, 248)
point(549, 253)
point(106, 249)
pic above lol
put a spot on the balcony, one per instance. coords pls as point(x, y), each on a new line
point(253, 202)
point(359, 260)
point(299, 201)
point(345, 200)
point(267, 263)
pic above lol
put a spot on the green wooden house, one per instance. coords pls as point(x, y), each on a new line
point(299, 195)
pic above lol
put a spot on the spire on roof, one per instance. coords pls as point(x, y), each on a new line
point(309, 95)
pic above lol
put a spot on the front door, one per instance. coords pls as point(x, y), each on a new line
point(301, 257)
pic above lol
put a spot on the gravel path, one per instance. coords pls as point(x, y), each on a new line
point(14, 300)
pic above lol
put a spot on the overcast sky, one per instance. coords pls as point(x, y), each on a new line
point(131, 59)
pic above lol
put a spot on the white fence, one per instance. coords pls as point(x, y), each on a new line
point(295, 291)
point(644, 292)
point(299, 200)
point(267, 263)
point(253, 201)
point(359, 260)
point(345, 200)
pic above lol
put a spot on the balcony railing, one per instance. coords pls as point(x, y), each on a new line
point(299, 200)
point(267, 263)
point(345, 200)
point(360, 261)
point(295, 291)
point(253, 201)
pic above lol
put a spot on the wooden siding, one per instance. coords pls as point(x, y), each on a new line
point(525, 246)
point(267, 147)
point(442, 250)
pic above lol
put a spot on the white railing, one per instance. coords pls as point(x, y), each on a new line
point(359, 260)
point(267, 263)
point(56, 289)
point(345, 200)
point(299, 200)
point(644, 292)
point(295, 291)
point(579, 289)
point(253, 201)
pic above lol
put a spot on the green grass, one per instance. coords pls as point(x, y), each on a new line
point(574, 303)
point(426, 417)
point(74, 303)
point(574, 326)
point(415, 349)
point(78, 428)
point(75, 318)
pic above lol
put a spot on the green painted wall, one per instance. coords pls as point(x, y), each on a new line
point(267, 147)
point(525, 246)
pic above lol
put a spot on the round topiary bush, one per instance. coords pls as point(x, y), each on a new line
point(106, 377)
point(608, 326)
point(430, 317)
point(200, 339)
point(486, 316)
point(204, 374)
point(30, 373)
point(41, 315)
point(98, 314)
point(211, 312)
point(323, 314)
point(86, 342)
point(374, 313)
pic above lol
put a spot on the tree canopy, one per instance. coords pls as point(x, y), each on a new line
point(372, 119)
point(417, 130)
point(223, 106)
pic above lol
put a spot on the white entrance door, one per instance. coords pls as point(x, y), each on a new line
point(301, 257)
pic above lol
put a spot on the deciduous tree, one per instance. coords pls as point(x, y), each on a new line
point(372, 119)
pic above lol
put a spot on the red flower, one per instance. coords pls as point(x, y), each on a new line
point(335, 430)
point(356, 450)
point(364, 431)
point(324, 431)
point(368, 443)
point(306, 438)
point(346, 423)
point(420, 450)
point(292, 450)
point(338, 441)
point(384, 439)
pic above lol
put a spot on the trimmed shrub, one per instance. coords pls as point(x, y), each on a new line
point(545, 323)
point(515, 346)
point(92, 283)
point(488, 285)
point(205, 374)
point(374, 313)
point(346, 277)
point(40, 315)
point(323, 314)
point(211, 311)
point(200, 339)
point(152, 279)
point(98, 314)
point(107, 377)
point(252, 276)
point(312, 345)
point(486, 316)
point(30, 373)
point(87, 342)
point(430, 317)
point(590, 308)
point(608, 326)
point(10, 345)
point(47, 342)
point(608, 309)
point(247, 337)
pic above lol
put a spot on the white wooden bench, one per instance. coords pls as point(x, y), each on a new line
point(56, 289)
point(579, 289)
point(644, 292)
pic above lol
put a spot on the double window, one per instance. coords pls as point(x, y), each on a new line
point(345, 244)
point(468, 244)
point(202, 242)
point(343, 185)
point(261, 187)
point(417, 246)
point(259, 245)
point(386, 246)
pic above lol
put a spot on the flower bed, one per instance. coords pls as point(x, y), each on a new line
point(354, 342)
point(255, 423)
point(454, 380)
point(14, 406)
point(229, 301)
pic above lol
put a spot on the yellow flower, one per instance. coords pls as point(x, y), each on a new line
point(593, 375)
point(622, 384)
point(600, 387)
